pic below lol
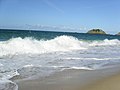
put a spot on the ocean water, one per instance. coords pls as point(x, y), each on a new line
point(27, 54)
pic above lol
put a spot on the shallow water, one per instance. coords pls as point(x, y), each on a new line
point(27, 57)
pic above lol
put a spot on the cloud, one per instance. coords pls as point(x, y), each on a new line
point(48, 27)
point(51, 4)
point(64, 28)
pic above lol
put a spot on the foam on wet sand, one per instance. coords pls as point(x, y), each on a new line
point(104, 79)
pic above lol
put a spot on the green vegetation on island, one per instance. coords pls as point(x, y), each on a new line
point(96, 31)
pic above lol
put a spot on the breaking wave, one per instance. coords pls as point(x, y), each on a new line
point(16, 46)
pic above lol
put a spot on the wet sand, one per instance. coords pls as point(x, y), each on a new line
point(105, 79)
point(110, 83)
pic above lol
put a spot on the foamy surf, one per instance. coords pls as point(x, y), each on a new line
point(106, 42)
point(8, 85)
point(28, 57)
point(18, 46)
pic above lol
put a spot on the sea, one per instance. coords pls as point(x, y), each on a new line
point(26, 54)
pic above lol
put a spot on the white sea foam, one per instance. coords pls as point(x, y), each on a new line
point(8, 85)
point(16, 46)
point(4, 75)
point(1, 64)
point(30, 57)
point(73, 58)
point(106, 42)
point(28, 66)
point(84, 68)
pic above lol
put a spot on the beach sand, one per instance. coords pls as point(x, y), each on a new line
point(110, 83)
point(105, 79)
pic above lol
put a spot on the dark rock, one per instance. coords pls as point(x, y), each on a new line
point(96, 31)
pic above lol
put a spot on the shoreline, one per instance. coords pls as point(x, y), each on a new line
point(39, 30)
point(74, 80)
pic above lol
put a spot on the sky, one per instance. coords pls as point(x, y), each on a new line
point(61, 15)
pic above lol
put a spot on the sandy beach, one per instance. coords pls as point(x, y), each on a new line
point(109, 83)
point(104, 79)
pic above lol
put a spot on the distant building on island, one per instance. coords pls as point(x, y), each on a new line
point(96, 31)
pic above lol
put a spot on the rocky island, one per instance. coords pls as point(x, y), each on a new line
point(96, 31)
point(118, 33)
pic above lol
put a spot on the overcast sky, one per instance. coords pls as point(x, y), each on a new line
point(75, 15)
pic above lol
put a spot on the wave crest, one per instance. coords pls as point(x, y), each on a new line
point(106, 42)
point(16, 46)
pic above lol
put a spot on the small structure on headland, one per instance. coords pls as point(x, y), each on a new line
point(96, 31)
